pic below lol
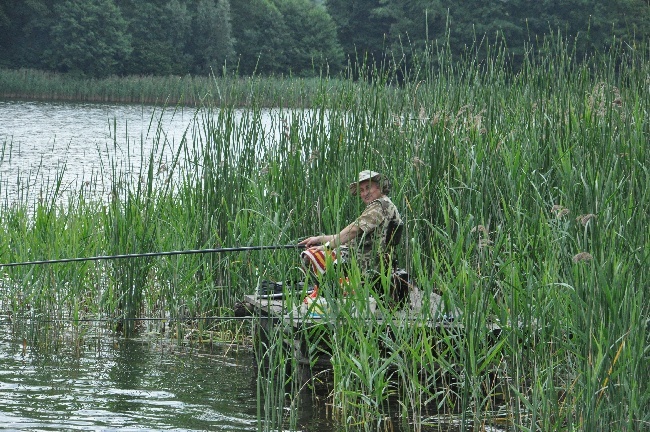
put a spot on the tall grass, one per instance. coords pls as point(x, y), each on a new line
point(526, 202)
point(185, 90)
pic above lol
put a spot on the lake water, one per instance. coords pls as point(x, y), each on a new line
point(110, 383)
point(105, 382)
point(40, 140)
point(123, 384)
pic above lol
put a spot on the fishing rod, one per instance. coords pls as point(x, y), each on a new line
point(154, 254)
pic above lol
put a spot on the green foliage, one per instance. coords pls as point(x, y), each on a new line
point(89, 38)
point(259, 37)
point(5, 22)
point(298, 37)
point(362, 28)
point(27, 34)
point(310, 41)
point(378, 32)
point(160, 32)
point(212, 42)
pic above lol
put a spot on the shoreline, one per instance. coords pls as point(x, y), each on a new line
point(188, 90)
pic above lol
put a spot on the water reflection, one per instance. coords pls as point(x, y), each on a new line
point(125, 384)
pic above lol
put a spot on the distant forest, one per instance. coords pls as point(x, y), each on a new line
point(303, 38)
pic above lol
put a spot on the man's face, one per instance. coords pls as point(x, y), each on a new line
point(369, 191)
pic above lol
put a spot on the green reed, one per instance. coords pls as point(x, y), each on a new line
point(188, 90)
point(525, 196)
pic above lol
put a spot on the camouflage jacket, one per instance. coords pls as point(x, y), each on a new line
point(373, 222)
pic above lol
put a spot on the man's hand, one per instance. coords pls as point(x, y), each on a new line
point(315, 241)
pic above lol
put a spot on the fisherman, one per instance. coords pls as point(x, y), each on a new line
point(368, 236)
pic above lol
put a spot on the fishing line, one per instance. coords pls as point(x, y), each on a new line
point(117, 320)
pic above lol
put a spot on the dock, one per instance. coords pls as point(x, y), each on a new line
point(299, 324)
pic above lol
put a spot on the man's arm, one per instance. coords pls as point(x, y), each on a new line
point(334, 240)
point(347, 234)
point(368, 221)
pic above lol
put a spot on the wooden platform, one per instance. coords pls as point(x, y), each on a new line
point(292, 320)
point(297, 315)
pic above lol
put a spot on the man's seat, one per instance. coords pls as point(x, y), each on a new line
point(393, 237)
point(394, 233)
point(400, 280)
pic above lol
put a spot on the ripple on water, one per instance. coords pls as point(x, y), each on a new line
point(125, 386)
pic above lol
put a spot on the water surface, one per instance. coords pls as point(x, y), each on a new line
point(42, 143)
point(109, 383)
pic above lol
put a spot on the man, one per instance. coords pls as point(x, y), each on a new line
point(368, 235)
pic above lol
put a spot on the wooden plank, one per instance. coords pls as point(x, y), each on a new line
point(271, 307)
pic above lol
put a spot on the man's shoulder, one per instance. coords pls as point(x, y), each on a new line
point(388, 206)
point(372, 208)
point(383, 201)
point(379, 205)
point(380, 209)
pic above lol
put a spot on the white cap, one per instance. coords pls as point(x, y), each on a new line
point(363, 176)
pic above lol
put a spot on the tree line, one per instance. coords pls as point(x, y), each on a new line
point(97, 38)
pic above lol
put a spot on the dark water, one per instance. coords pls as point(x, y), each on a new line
point(125, 384)
point(110, 383)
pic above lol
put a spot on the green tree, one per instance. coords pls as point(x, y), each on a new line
point(293, 36)
point(25, 31)
point(212, 42)
point(5, 29)
point(89, 38)
point(5, 21)
point(590, 24)
point(259, 31)
point(178, 28)
point(310, 42)
point(628, 20)
point(363, 27)
point(414, 22)
point(160, 32)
